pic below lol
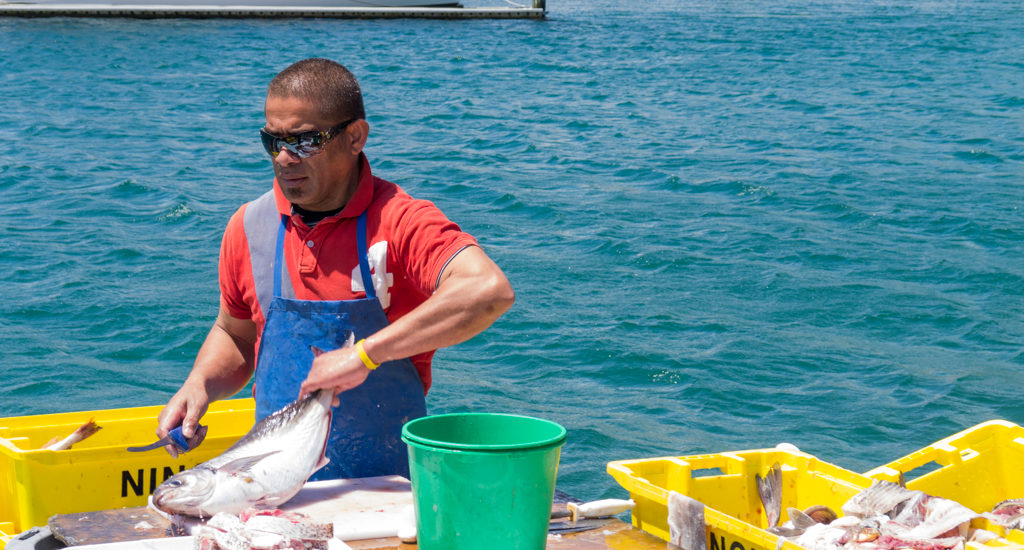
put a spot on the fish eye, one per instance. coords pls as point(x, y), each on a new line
point(174, 482)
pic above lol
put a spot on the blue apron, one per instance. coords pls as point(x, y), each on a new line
point(366, 428)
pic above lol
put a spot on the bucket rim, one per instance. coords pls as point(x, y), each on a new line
point(414, 439)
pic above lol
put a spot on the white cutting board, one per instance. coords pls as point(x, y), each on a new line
point(324, 500)
point(363, 508)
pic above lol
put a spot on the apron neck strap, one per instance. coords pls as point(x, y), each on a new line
point(364, 264)
point(279, 256)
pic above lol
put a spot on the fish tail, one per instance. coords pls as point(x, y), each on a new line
point(83, 431)
point(769, 488)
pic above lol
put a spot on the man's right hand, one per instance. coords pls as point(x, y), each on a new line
point(222, 368)
point(184, 409)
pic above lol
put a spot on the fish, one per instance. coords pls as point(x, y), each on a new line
point(884, 516)
point(262, 470)
point(769, 489)
point(686, 522)
point(83, 431)
point(1008, 513)
point(882, 497)
point(820, 513)
point(262, 530)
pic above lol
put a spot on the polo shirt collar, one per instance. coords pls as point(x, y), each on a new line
point(357, 203)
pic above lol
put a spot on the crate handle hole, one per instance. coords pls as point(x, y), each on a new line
point(922, 470)
point(706, 472)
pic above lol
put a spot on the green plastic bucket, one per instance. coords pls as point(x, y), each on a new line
point(482, 480)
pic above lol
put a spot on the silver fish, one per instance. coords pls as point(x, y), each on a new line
point(884, 516)
point(881, 498)
point(263, 469)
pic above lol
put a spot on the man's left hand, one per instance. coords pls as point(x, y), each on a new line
point(341, 369)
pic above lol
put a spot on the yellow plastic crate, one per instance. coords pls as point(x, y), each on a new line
point(98, 473)
point(6, 533)
point(724, 483)
point(978, 467)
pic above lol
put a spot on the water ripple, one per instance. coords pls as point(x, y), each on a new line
point(728, 223)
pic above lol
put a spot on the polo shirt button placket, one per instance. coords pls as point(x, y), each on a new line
point(307, 261)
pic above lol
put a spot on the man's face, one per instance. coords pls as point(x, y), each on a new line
point(319, 183)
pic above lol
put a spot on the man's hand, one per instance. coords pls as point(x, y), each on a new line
point(341, 369)
point(184, 409)
point(222, 368)
point(472, 293)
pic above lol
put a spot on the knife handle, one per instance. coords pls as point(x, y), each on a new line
point(179, 439)
point(599, 508)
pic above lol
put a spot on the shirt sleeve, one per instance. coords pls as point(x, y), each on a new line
point(427, 241)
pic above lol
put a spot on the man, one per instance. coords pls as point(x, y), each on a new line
point(294, 271)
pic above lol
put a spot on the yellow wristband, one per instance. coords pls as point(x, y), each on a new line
point(366, 358)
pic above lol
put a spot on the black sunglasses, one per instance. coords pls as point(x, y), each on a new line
point(304, 145)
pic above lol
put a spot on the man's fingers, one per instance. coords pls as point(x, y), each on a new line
point(338, 375)
point(191, 422)
point(198, 438)
point(166, 423)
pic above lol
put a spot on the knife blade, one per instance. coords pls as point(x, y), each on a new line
point(176, 438)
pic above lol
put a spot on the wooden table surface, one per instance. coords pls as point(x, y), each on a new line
point(324, 501)
point(139, 524)
point(617, 535)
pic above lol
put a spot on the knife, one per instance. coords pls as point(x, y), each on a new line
point(579, 516)
point(586, 510)
point(563, 527)
point(176, 438)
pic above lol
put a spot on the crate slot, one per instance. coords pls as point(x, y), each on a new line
point(968, 454)
point(922, 470)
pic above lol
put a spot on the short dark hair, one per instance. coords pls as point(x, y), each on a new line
point(332, 87)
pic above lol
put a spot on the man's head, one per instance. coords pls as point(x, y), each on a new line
point(328, 85)
point(315, 132)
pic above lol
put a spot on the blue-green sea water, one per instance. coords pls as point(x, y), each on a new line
point(729, 224)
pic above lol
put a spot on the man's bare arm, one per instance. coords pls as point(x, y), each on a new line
point(222, 368)
point(471, 294)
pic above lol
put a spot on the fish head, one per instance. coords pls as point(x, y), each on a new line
point(186, 492)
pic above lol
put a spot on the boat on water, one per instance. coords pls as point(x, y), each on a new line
point(369, 4)
point(203, 9)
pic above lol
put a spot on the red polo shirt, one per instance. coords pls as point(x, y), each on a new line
point(410, 241)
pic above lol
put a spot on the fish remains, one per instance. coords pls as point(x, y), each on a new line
point(264, 469)
point(262, 530)
point(885, 516)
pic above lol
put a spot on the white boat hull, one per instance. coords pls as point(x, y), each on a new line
point(370, 4)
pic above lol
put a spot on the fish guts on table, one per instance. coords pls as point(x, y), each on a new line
point(262, 530)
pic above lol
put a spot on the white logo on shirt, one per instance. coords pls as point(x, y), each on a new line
point(377, 257)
